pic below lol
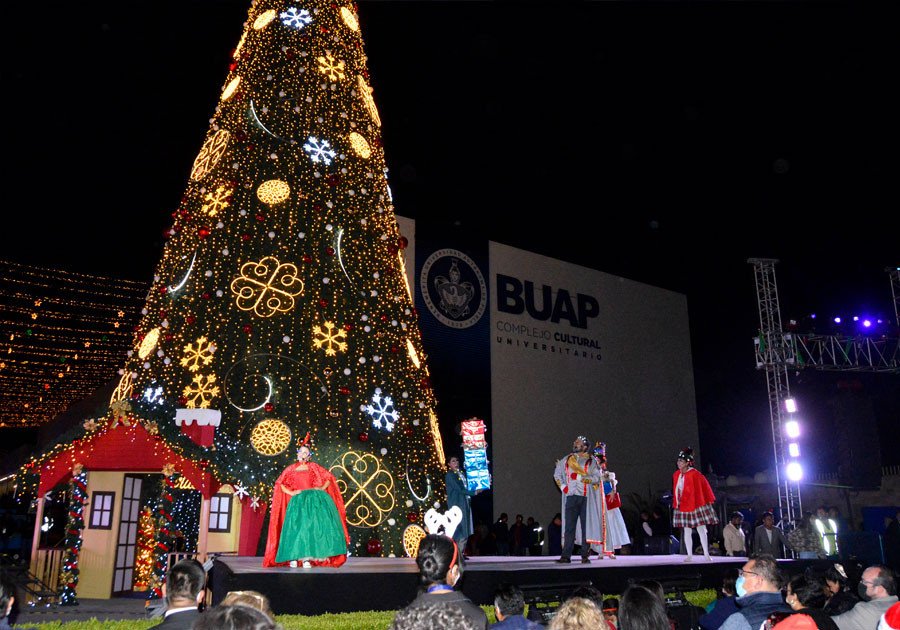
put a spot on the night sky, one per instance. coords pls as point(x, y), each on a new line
point(662, 142)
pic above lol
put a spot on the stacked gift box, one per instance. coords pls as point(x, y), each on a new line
point(475, 454)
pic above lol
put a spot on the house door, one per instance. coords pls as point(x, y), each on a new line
point(123, 573)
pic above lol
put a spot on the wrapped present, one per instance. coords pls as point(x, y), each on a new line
point(475, 459)
point(474, 441)
point(473, 426)
point(479, 480)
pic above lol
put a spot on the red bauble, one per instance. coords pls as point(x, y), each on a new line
point(363, 437)
point(403, 242)
point(206, 296)
point(412, 517)
point(323, 302)
point(202, 233)
point(373, 546)
point(329, 250)
point(393, 249)
point(348, 327)
point(307, 258)
point(408, 431)
point(395, 349)
point(169, 337)
point(245, 237)
point(260, 217)
point(248, 328)
point(163, 289)
point(232, 66)
point(182, 401)
point(345, 391)
point(190, 319)
point(269, 406)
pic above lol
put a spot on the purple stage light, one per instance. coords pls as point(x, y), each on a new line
point(837, 320)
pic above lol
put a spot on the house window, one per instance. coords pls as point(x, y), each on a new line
point(220, 513)
point(102, 509)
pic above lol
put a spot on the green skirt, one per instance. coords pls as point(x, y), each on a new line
point(312, 528)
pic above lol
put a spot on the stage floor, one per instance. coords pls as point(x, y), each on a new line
point(391, 583)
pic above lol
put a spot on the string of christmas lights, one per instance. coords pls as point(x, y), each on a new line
point(62, 336)
point(69, 570)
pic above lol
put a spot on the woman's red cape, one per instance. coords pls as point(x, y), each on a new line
point(318, 476)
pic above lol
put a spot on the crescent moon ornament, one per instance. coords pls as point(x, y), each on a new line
point(175, 287)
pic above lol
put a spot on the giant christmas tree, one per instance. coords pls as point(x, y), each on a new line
point(280, 305)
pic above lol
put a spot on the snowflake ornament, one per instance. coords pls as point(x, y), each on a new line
point(331, 339)
point(194, 356)
point(319, 151)
point(384, 416)
point(154, 395)
point(240, 492)
point(254, 503)
point(295, 18)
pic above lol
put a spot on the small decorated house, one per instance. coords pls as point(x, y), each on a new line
point(116, 541)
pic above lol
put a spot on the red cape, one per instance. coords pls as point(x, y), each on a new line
point(280, 500)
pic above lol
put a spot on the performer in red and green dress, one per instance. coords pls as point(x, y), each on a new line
point(308, 522)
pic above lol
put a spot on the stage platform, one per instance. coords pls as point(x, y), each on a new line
point(391, 583)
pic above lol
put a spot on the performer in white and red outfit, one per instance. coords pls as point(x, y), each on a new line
point(692, 501)
point(576, 475)
point(616, 531)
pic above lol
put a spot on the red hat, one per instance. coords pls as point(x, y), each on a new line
point(890, 620)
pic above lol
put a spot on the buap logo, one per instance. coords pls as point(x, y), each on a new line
point(453, 288)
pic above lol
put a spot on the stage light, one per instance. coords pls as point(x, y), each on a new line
point(794, 449)
point(856, 318)
point(794, 471)
point(837, 320)
point(790, 404)
point(792, 429)
point(867, 323)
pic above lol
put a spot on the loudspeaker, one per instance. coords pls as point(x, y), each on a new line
point(867, 547)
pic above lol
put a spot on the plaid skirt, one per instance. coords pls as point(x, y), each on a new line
point(703, 515)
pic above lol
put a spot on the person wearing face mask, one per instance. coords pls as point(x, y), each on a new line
point(806, 596)
point(758, 589)
point(440, 569)
point(878, 589)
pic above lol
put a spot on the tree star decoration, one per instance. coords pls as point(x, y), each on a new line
point(384, 416)
point(446, 523)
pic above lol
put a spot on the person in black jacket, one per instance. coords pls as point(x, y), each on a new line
point(184, 589)
point(440, 569)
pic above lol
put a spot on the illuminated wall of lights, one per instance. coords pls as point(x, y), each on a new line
point(62, 336)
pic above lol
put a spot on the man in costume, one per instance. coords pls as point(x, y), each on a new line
point(576, 475)
point(308, 522)
point(692, 503)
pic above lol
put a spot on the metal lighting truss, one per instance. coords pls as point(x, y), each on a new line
point(777, 351)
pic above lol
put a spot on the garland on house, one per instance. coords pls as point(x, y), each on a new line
point(165, 539)
point(146, 543)
point(68, 576)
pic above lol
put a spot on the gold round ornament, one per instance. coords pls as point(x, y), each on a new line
point(148, 343)
point(270, 437)
point(349, 18)
point(273, 191)
point(412, 537)
point(264, 18)
point(360, 145)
